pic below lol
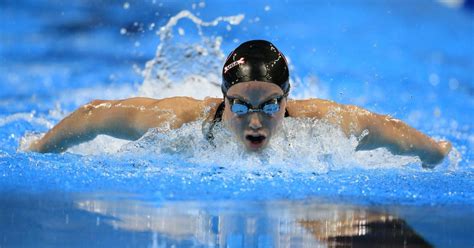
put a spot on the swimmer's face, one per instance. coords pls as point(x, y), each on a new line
point(254, 129)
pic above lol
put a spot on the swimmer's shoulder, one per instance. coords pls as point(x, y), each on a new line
point(144, 101)
point(165, 103)
point(182, 106)
point(209, 107)
point(212, 102)
point(190, 108)
point(312, 107)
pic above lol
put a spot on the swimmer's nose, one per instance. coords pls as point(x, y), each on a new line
point(255, 123)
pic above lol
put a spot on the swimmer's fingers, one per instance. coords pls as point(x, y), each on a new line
point(40, 147)
point(443, 148)
point(33, 147)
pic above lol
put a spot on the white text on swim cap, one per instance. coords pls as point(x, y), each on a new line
point(234, 64)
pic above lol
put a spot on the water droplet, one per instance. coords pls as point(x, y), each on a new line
point(434, 79)
point(453, 84)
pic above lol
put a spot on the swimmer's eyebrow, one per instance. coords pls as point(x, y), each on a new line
point(241, 98)
point(271, 97)
point(244, 99)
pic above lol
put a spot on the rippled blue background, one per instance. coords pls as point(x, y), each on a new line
point(413, 60)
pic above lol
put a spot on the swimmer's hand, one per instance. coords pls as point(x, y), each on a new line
point(35, 146)
point(441, 150)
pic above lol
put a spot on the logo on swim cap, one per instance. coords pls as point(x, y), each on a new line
point(234, 64)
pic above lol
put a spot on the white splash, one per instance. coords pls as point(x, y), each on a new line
point(301, 145)
point(29, 117)
point(27, 140)
point(102, 144)
point(180, 69)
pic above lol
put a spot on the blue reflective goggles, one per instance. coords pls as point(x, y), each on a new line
point(241, 108)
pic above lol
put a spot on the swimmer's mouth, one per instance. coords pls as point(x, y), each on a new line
point(255, 139)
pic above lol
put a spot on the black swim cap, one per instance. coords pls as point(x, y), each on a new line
point(255, 60)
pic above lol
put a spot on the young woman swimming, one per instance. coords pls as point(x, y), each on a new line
point(255, 86)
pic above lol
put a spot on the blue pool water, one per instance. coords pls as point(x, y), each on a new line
point(411, 60)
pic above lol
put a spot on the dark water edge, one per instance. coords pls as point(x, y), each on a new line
point(111, 219)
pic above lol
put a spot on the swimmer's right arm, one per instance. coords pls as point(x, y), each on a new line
point(125, 119)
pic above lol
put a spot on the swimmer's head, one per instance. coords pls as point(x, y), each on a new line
point(255, 60)
point(255, 86)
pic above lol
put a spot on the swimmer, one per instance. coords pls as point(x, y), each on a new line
point(255, 87)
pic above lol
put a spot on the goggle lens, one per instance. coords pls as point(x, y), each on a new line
point(271, 108)
point(239, 109)
point(242, 108)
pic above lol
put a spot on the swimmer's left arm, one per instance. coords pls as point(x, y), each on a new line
point(397, 136)
point(381, 131)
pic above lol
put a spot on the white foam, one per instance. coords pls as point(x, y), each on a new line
point(301, 144)
point(29, 117)
point(102, 144)
point(28, 139)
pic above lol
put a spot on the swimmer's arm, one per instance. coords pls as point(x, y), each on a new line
point(380, 131)
point(397, 136)
point(125, 119)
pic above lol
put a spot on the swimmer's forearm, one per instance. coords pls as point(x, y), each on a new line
point(85, 124)
point(401, 139)
point(70, 131)
point(60, 138)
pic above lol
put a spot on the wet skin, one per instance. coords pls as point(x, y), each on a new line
point(254, 129)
